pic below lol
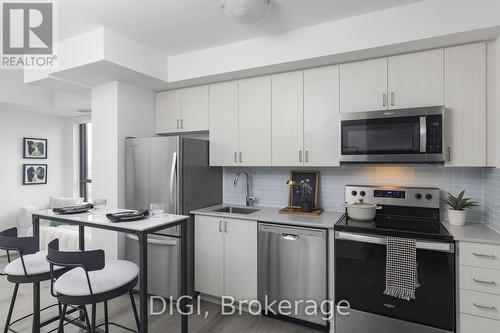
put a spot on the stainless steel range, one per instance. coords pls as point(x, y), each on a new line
point(360, 264)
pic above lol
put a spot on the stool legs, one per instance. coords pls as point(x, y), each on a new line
point(11, 309)
point(36, 307)
point(134, 308)
point(87, 321)
point(106, 322)
point(62, 314)
point(93, 318)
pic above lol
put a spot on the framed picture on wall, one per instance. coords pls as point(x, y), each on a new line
point(34, 174)
point(34, 148)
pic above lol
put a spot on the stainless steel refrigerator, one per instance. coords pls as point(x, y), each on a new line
point(174, 171)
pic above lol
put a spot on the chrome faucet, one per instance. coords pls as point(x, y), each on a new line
point(249, 199)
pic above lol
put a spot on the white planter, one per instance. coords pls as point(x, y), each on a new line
point(456, 217)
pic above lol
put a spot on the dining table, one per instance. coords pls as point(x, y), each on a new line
point(156, 225)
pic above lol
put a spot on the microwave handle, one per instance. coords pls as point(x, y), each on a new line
point(423, 134)
point(423, 245)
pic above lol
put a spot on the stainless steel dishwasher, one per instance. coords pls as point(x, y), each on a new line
point(292, 266)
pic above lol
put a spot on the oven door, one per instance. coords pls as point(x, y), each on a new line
point(402, 136)
point(360, 262)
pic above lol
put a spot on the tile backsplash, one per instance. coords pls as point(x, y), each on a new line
point(492, 198)
point(269, 185)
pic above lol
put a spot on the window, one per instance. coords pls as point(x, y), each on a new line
point(86, 161)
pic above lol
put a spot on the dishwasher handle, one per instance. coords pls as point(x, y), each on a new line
point(295, 231)
point(291, 237)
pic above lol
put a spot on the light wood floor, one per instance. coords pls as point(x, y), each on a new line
point(121, 312)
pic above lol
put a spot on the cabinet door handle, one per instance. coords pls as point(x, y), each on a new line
point(182, 123)
point(241, 157)
point(177, 123)
point(235, 157)
point(484, 307)
point(220, 225)
point(384, 99)
point(300, 156)
point(484, 255)
point(225, 226)
point(392, 99)
point(307, 156)
point(483, 282)
point(448, 154)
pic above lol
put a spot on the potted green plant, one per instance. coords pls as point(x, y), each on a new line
point(457, 206)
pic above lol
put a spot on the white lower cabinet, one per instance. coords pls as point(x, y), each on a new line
point(226, 257)
point(208, 255)
point(240, 259)
point(479, 278)
point(473, 324)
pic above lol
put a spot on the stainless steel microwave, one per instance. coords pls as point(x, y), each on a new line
point(393, 136)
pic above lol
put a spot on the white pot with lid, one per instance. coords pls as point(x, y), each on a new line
point(362, 211)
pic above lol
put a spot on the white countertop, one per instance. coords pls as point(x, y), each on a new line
point(473, 232)
point(272, 215)
point(98, 218)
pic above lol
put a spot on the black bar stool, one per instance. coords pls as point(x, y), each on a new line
point(30, 267)
point(91, 280)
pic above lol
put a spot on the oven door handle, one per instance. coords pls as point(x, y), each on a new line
point(423, 245)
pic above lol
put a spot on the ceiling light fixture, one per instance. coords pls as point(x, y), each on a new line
point(246, 11)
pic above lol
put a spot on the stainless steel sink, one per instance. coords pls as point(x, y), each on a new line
point(236, 210)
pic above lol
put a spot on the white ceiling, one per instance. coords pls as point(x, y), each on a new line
point(178, 26)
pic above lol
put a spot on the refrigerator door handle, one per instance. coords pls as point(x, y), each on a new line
point(172, 179)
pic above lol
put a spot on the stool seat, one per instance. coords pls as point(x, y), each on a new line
point(35, 263)
point(115, 274)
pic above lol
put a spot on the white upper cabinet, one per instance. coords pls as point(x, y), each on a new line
point(168, 111)
point(182, 110)
point(416, 79)
point(224, 124)
point(404, 81)
point(465, 100)
point(287, 119)
point(255, 122)
point(321, 116)
point(363, 86)
point(194, 109)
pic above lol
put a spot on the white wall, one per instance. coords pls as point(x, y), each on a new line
point(136, 117)
point(14, 125)
point(420, 21)
point(119, 110)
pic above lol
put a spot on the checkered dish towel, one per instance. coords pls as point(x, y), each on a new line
point(401, 277)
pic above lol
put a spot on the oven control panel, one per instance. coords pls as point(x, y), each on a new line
point(393, 195)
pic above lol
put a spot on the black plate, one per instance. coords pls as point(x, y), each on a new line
point(73, 209)
point(130, 216)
